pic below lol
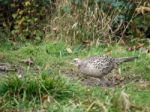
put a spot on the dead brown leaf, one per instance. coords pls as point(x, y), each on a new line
point(87, 43)
point(46, 98)
point(55, 29)
point(69, 51)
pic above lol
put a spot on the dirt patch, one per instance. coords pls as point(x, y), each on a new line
point(110, 80)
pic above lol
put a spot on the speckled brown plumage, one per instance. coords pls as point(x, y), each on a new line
point(98, 66)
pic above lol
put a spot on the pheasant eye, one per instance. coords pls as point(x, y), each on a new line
point(74, 61)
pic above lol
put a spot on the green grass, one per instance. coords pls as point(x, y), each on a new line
point(64, 94)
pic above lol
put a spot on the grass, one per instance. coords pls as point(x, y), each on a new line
point(48, 89)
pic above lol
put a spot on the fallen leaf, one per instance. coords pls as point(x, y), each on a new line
point(46, 98)
point(74, 25)
point(69, 50)
point(55, 29)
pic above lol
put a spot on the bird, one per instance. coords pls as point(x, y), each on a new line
point(99, 66)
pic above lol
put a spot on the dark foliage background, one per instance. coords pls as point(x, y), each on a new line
point(22, 20)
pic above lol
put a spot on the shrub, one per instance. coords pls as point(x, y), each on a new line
point(100, 20)
point(21, 18)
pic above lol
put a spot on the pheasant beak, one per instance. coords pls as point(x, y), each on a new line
point(76, 62)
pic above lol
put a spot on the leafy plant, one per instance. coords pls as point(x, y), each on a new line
point(21, 18)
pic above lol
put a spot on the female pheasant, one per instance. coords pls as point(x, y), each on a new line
point(98, 66)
